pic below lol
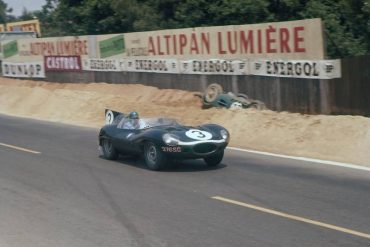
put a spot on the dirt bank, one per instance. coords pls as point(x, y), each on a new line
point(337, 138)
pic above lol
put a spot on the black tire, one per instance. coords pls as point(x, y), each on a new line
point(109, 152)
point(154, 158)
point(211, 93)
point(214, 159)
point(243, 98)
point(259, 105)
point(242, 95)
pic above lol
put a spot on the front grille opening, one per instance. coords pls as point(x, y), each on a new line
point(204, 148)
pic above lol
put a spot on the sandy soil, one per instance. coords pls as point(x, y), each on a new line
point(337, 138)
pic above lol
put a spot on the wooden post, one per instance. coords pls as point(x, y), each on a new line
point(324, 97)
point(234, 84)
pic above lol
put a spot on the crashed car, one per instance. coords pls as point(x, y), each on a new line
point(161, 140)
point(214, 96)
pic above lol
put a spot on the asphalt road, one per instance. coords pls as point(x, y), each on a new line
point(66, 195)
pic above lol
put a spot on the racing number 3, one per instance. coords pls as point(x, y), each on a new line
point(200, 133)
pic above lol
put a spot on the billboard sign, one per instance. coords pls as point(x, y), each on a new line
point(301, 39)
point(313, 69)
point(62, 63)
point(23, 70)
point(112, 46)
point(97, 64)
point(25, 26)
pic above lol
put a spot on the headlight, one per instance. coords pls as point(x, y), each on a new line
point(170, 139)
point(224, 134)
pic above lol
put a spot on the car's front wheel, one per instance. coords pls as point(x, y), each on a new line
point(154, 158)
point(109, 152)
point(214, 159)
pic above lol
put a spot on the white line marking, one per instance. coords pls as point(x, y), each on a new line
point(293, 217)
point(326, 162)
point(20, 148)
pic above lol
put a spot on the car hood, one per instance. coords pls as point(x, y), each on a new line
point(192, 133)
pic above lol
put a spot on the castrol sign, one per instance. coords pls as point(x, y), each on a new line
point(62, 63)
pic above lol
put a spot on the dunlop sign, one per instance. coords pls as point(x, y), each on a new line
point(25, 70)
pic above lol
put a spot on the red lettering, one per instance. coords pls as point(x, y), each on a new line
point(151, 49)
point(205, 42)
point(160, 52)
point(298, 39)
point(220, 48)
point(167, 39)
point(174, 44)
point(259, 39)
point(246, 42)
point(183, 42)
point(284, 39)
point(194, 44)
point(229, 42)
point(85, 47)
point(270, 40)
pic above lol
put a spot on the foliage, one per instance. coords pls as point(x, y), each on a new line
point(346, 22)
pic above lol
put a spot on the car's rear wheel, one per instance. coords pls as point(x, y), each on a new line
point(214, 159)
point(109, 152)
point(154, 158)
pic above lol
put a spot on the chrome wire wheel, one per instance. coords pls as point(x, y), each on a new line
point(152, 154)
point(108, 146)
point(109, 151)
point(155, 159)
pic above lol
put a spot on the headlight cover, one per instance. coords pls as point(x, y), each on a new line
point(224, 134)
point(170, 139)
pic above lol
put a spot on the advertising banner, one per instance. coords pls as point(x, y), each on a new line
point(103, 64)
point(26, 70)
point(10, 49)
point(152, 65)
point(214, 66)
point(62, 63)
point(2, 28)
point(301, 39)
point(112, 46)
point(25, 26)
point(323, 69)
point(34, 49)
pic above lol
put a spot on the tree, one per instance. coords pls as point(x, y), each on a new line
point(346, 22)
point(4, 12)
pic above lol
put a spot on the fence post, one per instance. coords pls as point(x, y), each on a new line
point(324, 97)
point(203, 82)
point(278, 93)
point(234, 84)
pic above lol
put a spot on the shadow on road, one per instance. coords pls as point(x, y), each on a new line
point(172, 166)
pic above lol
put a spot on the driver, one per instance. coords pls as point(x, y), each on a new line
point(133, 121)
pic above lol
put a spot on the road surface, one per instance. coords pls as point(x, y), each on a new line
point(55, 190)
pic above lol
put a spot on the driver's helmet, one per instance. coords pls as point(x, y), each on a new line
point(133, 115)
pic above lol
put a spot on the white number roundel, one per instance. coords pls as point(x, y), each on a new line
point(198, 134)
point(109, 117)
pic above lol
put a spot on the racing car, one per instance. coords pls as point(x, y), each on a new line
point(160, 140)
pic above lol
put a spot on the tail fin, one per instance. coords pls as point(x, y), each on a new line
point(111, 115)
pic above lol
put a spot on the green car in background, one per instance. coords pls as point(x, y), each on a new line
point(214, 96)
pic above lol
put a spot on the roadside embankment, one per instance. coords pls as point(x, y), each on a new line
point(337, 138)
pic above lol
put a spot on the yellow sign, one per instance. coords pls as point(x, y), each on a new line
point(2, 28)
point(25, 26)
